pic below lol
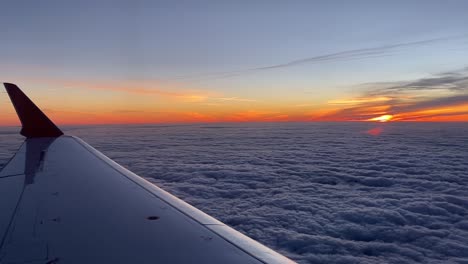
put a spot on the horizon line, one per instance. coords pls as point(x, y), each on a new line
point(256, 121)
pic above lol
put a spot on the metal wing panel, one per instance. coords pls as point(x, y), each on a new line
point(240, 240)
point(77, 206)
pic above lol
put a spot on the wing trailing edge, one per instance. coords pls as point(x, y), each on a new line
point(35, 123)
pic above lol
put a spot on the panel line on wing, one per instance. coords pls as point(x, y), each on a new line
point(7, 232)
point(11, 175)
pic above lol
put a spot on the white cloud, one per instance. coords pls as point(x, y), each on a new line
point(317, 192)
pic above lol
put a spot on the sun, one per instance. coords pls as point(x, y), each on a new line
point(383, 118)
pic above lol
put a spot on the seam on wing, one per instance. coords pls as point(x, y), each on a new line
point(11, 175)
point(12, 218)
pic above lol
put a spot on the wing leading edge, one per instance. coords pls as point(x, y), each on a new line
point(64, 201)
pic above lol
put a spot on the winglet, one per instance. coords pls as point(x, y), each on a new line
point(35, 122)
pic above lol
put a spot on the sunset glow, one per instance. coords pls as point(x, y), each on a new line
point(383, 118)
point(223, 64)
point(83, 103)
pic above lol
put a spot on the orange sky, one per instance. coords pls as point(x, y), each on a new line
point(74, 102)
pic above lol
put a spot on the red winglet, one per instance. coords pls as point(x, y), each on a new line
point(35, 122)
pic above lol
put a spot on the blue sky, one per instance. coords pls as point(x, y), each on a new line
point(185, 42)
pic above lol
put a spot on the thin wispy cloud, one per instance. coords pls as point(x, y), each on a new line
point(455, 81)
point(158, 88)
point(353, 54)
point(169, 90)
point(234, 99)
point(433, 103)
point(153, 88)
point(406, 101)
point(360, 100)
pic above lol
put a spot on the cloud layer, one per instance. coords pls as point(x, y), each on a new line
point(317, 192)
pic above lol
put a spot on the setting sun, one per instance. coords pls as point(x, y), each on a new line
point(383, 118)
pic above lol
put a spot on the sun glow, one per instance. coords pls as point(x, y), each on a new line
point(383, 118)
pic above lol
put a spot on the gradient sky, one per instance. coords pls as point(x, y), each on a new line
point(201, 61)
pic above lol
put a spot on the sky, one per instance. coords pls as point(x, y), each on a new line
point(101, 62)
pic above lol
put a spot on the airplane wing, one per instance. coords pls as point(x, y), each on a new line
point(62, 201)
